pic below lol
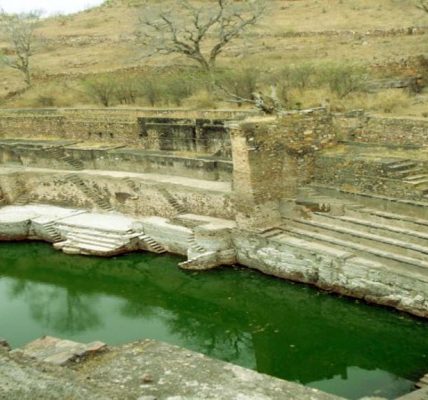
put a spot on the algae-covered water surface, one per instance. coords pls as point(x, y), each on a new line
point(287, 330)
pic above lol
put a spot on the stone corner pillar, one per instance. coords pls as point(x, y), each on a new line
point(263, 173)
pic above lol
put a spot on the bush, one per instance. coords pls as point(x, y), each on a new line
point(177, 89)
point(241, 83)
point(343, 79)
point(44, 101)
point(202, 100)
point(102, 89)
point(151, 90)
point(126, 89)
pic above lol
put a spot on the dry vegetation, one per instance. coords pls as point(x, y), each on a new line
point(76, 53)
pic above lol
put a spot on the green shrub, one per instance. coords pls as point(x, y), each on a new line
point(101, 88)
point(343, 79)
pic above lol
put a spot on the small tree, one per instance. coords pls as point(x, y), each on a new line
point(19, 30)
point(344, 79)
point(126, 90)
point(101, 89)
point(198, 33)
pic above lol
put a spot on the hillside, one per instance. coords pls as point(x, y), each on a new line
point(383, 35)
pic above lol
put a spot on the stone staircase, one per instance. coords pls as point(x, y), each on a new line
point(57, 152)
point(194, 246)
point(393, 239)
point(410, 172)
point(101, 202)
point(52, 231)
point(132, 184)
point(179, 208)
point(152, 244)
point(91, 241)
point(22, 200)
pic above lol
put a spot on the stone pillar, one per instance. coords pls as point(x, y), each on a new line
point(263, 173)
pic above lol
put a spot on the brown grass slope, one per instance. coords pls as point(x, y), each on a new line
point(102, 39)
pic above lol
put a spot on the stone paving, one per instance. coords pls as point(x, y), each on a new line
point(138, 371)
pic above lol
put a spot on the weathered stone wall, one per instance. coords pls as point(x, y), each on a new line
point(61, 127)
point(384, 130)
point(335, 270)
point(271, 157)
point(31, 154)
point(365, 176)
point(206, 136)
point(131, 196)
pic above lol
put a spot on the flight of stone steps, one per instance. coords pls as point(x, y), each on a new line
point(393, 239)
point(152, 245)
point(388, 238)
point(87, 240)
point(101, 202)
point(52, 231)
point(194, 246)
point(410, 172)
point(57, 152)
point(179, 208)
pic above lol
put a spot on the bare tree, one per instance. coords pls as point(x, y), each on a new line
point(19, 30)
point(268, 104)
point(423, 5)
point(198, 33)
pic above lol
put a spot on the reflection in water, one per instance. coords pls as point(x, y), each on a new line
point(286, 330)
point(64, 311)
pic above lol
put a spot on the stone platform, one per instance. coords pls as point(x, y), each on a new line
point(145, 370)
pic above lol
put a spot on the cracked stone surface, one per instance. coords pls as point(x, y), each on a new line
point(146, 370)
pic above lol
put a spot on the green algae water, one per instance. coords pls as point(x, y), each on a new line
point(287, 330)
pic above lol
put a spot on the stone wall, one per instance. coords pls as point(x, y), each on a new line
point(383, 130)
point(39, 155)
point(206, 136)
point(365, 176)
point(61, 127)
point(127, 195)
point(203, 133)
point(271, 157)
point(335, 270)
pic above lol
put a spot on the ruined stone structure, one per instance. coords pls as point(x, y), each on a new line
point(337, 201)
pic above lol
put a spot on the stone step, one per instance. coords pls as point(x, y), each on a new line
point(416, 177)
point(395, 246)
point(423, 382)
point(272, 232)
point(391, 260)
point(408, 172)
point(88, 244)
point(99, 235)
point(69, 249)
point(417, 182)
point(96, 230)
point(88, 248)
point(387, 230)
point(152, 244)
point(401, 165)
point(400, 220)
point(98, 240)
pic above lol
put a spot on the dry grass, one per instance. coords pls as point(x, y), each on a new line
point(101, 39)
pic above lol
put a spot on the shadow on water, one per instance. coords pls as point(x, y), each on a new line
point(287, 330)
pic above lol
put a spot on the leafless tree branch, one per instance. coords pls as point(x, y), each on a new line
point(267, 104)
point(423, 5)
point(19, 29)
point(199, 33)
